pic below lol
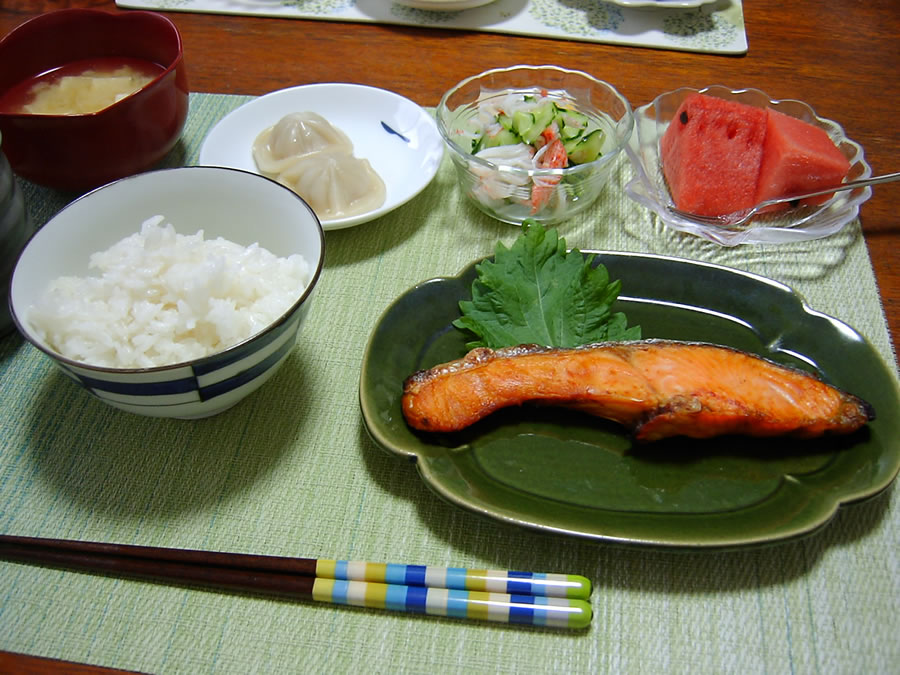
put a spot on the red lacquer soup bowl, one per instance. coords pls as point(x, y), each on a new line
point(81, 150)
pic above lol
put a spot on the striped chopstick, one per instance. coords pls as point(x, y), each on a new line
point(551, 600)
point(458, 578)
point(533, 610)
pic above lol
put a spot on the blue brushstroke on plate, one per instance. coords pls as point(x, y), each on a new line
point(394, 131)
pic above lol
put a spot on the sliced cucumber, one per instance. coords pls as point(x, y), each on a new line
point(543, 117)
point(502, 137)
point(505, 121)
point(572, 118)
point(586, 149)
point(522, 122)
point(529, 125)
point(568, 133)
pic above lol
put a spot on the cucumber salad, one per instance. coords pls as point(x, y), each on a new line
point(531, 132)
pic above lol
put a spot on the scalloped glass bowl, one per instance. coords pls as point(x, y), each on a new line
point(505, 192)
point(648, 187)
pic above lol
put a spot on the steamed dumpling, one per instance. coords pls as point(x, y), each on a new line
point(293, 136)
point(315, 159)
point(335, 184)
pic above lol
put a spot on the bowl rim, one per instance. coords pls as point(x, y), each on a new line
point(141, 15)
point(628, 117)
point(645, 191)
point(21, 325)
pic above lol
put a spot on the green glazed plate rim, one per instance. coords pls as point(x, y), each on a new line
point(558, 472)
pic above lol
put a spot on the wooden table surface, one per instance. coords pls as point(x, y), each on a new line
point(842, 57)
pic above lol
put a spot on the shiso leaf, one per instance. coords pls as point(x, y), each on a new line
point(537, 292)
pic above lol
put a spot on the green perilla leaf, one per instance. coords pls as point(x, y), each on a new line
point(538, 292)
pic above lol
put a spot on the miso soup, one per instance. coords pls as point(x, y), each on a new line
point(80, 87)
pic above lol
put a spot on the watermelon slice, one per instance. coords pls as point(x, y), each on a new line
point(711, 154)
point(722, 156)
point(798, 157)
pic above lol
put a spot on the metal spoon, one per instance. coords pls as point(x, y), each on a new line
point(740, 217)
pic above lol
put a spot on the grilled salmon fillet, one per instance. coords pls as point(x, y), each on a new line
point(656, 388)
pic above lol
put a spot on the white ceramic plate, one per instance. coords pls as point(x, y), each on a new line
point(443, 5)
point(399, 138)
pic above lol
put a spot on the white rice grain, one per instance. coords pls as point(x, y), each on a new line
point(163, 298)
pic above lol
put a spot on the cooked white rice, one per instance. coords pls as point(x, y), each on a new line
point(163, 298)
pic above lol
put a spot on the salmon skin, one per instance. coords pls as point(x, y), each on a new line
point(656, 388)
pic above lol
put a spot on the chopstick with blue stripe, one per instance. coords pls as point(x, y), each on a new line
point(458, 578)
point(550, 600)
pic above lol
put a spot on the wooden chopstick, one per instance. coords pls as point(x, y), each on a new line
point(85, 557)
point(523, 583)
point(475, 594)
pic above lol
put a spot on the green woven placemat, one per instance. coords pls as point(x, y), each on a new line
point(291, 471)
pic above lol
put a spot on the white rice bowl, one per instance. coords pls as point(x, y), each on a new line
point(223, 311)
point(163, 298)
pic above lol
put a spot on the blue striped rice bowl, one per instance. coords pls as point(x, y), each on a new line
point(239, 206)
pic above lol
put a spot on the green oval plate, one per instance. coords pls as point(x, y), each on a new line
point(559, 471)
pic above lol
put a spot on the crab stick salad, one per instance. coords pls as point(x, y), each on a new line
point(532, 131)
